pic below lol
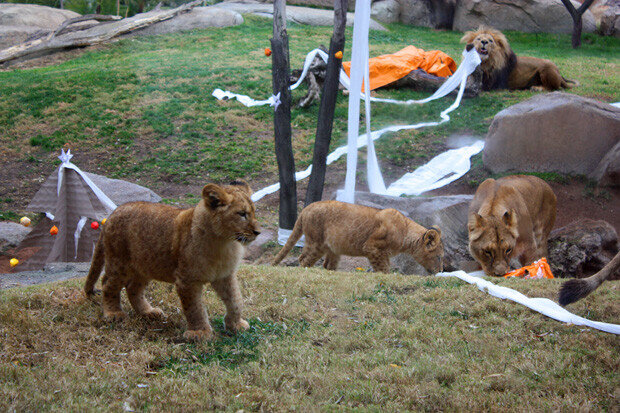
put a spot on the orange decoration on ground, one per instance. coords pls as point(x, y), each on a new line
point(54, 230)
point(267, 51)
point(539, 269)
point(338, 55)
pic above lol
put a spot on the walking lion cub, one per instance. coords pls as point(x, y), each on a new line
point(335, 228)
point(142, 241)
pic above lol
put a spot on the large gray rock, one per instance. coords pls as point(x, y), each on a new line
point(582, 248)
point(552, 132)
point(20, 21)
point(607, 173)
point(196, 18)
point(535, 16)
point(300, 15)
point(416, 13)
point(121, 192)
point(607, 16)
point(385, 11)
point(448, 213)
point(11, 234)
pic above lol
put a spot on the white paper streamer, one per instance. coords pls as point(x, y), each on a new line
point(78, 231)
point(66, 163)
point(440, 171)
point(541, 305)
point(284, 234)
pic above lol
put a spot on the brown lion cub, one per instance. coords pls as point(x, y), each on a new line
point(335, 228)
point(142, 241)
point(510, 220)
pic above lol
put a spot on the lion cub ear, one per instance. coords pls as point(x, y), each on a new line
point(215, 196)
point(432, 237)
point(243, 185)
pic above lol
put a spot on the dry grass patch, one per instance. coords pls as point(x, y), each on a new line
point(319, 340)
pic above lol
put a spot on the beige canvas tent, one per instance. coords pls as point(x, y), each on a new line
point(71, 202)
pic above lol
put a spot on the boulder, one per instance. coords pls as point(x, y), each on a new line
point(448, 213)
point(582, 248)
point(552, 132)
point(534, 16)
point(20, 21)
point(607, 173)
point(607, 16)
point(300, 15)
point(11, 234)
point(258, 246)
point(416, 13)
point(121, 192)
point(196, 18)
point(385, 11)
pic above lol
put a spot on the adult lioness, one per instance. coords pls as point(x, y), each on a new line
point(335, 228)
point(143, 241)
point(510, 219)
point(502, 69)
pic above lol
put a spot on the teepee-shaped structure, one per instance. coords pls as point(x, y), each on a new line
point(70, 201)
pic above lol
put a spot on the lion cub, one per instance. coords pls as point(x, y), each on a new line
point(335, 228)
point(142, 241)
point(510, 220)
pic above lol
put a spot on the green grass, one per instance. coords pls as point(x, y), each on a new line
point(318, 341)
point(142, 107)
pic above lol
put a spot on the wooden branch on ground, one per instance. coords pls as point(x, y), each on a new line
point(94, 35)
point(86, 17)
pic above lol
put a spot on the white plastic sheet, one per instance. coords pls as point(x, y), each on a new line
point(541, 305)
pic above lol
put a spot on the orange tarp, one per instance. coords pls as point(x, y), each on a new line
point(391, 67)
point(538, 269)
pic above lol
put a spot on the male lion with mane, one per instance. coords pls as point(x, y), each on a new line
point(334, 228)
point(502, 69)
point(143, 241)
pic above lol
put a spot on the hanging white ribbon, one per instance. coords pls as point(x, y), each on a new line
point(542, 305)
point(65, 158)
point(78, 231)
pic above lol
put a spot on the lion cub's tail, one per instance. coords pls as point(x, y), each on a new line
point(568, 83)
point(95, 268)
point(292, 240)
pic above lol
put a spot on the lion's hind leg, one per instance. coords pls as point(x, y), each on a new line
point(550, 77)
point(112, 284)
point(310, 254)
point(135, 293)
point(331, 261)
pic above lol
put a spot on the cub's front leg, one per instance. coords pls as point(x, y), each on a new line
point(228, 291)
point(375, 249)
point(198, 327)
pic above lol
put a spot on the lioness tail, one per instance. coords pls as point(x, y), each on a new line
point(292, 240)
point(96, 266)
point(576, 289)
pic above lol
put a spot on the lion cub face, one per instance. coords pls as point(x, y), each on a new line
point(492, 242)
point(430, 256)
point(231, 211)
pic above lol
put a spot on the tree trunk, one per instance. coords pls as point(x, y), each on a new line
point(577, 14)
point(328, 105)
point(282, 118)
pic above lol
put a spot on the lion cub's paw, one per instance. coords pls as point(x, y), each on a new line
point(115, 315)
point(236, 326)
point(154, 314)
point(198, 335)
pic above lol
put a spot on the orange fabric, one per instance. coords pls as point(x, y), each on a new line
point(539, 269)
point(391, 67)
